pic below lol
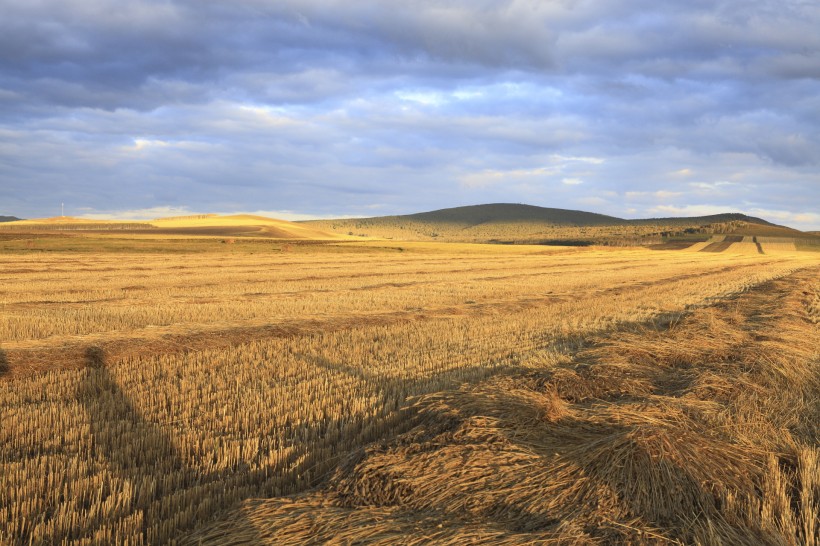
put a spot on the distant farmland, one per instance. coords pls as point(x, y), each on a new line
point(526, 224)
point(172, 389)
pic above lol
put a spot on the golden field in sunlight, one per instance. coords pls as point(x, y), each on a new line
point(383, 393)
point(194, 225)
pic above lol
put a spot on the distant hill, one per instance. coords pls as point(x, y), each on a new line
point(509, 212)
point(502, 213)
point(240, 225)
point(9, 219)
point(70, 223)
point(702, 220)
point(511, 223)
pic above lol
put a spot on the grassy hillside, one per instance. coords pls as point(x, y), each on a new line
point(516, 223)
point(502, 213)
point(702, 220)
point(767, 229)
point(490, 223)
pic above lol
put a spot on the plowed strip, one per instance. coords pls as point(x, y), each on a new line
point(717, 247)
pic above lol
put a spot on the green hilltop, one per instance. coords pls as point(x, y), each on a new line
point(520, 223)
point(509, 212)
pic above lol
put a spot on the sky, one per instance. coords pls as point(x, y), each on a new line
point(308, 108)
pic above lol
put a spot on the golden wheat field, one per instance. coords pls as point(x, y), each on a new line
point(413, 393)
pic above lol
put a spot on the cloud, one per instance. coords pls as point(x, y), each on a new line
point(328, 107)
point(690, 210)
point(806, 221)
point(490, 177)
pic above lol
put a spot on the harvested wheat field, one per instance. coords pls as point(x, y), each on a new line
point(378, 393)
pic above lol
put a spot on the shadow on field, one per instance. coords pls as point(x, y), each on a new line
point(534, 461)
point(539, 480)
point(639, 439)
point(4, 363)
point(135, 450)
point(336, 442)
point(149, 467)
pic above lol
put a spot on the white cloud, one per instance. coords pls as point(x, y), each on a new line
point(577, 159)
point(593, 201)
point(690, 210)
point(467, 94)
point(491, 176)
point(712, 186)
point(660, 194)
point(426, 98)
point(804, 221)
point(325, 107)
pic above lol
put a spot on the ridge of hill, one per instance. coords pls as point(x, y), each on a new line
point(487, 223)
point(238, 225)
point(511, 212)
point(517, 212)
point(707, 219)
point(9, 219)
point(70, 223)
point(64, 220)
point(519, 223)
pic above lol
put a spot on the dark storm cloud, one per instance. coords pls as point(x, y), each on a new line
point(629, 107)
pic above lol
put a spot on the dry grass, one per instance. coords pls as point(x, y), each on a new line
point(144, 395)
point(404, 229)
point(705, 432)
point(47, 297)
point(204, 224)
point(274, 228)
point(522, 223)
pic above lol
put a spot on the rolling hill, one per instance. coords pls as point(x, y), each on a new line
point(494, 223)
point(500, 213)
point(9, 219)
point(241, 225)
point(704, 220)
point(512, 223)
point(70, 223)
